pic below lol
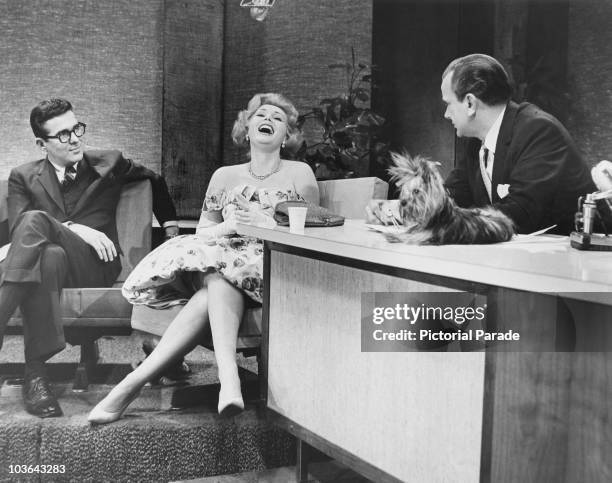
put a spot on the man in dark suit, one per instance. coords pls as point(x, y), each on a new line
point(524, 161)
point(61, 213)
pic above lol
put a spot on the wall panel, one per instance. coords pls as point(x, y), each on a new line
point(590, 77)
point(104, 56)
point(192, 113)
point(289, 53)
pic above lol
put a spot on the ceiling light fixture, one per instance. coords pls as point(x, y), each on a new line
point(259, 8)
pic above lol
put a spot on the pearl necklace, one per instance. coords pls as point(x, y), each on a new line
point(264, 176)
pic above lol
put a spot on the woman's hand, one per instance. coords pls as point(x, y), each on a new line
point(252, 216)
point(251, 213)
point(602, 175)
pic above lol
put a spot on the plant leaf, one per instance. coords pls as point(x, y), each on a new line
point(362, 94)
point(342, 139)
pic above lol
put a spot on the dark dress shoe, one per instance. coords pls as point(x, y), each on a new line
point(38, 398)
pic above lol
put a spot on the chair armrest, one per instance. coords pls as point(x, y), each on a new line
point(4, 227)
point(134, 215)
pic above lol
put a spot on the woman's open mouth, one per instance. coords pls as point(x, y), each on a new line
point(266, 129)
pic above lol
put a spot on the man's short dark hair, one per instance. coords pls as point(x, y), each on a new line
point(46, 110)
point(480, 75)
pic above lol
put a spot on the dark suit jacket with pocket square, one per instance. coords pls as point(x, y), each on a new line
point(537, 158)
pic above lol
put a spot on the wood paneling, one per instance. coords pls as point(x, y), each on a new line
point(192, 103)
point(529, 398)
point(549, 410)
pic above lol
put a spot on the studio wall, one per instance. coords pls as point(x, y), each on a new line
point(104, 56)
point(414, 40)
point(163, 80)
point(590, 77)
point(560, 50)
point(289, 53)
point(192, 99)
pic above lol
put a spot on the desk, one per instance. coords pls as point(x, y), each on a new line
point(439, 416)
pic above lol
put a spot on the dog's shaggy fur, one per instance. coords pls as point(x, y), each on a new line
point(430, 215)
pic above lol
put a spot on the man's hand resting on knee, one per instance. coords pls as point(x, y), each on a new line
point(103, 245)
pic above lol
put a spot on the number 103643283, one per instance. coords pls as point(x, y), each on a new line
point(41, 469)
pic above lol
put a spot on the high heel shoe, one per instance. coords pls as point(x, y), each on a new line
point(230, 407)
point(101, 416)
point(230, 394)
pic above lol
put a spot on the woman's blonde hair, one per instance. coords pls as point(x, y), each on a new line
point(240, 129)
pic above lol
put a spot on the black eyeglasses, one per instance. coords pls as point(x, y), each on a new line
point(64, 136)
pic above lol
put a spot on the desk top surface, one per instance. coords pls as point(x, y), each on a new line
point(543, 263)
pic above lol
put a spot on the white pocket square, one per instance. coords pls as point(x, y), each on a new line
point(502, 190)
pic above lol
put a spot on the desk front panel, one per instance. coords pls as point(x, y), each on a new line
point(415, 416)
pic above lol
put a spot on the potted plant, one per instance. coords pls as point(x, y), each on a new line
point(349, 130)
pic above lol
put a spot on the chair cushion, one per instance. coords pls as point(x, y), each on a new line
point(156, 322)
point(91, 307)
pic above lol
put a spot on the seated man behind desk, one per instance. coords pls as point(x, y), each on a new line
point(525, 162)
point(61, 213)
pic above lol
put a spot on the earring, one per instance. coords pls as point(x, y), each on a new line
point(283, 145)
point(247, 138)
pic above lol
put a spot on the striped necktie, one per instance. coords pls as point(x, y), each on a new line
point(69, 176)
point(484, 158)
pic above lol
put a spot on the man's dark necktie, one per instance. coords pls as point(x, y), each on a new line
point(69, 176)
point(486, 157)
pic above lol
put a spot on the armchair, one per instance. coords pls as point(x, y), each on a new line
point(90, 313)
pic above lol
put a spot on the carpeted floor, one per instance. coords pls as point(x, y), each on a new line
point(151, 443)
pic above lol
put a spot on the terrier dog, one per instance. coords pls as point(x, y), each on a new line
point(431, 217)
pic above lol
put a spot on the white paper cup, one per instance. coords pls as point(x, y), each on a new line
point(297, 218)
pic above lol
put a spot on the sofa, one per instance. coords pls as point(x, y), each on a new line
point(90, 313)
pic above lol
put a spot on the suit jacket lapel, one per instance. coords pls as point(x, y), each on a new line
point(503, 141)
point(48, 179)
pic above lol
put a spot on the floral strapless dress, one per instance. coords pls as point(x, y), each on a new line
point(171, 273)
